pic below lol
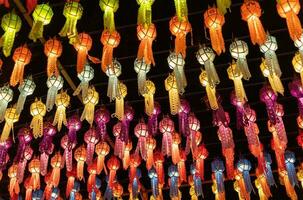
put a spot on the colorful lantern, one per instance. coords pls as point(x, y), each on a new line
point(82, 46)
point(113, 72)
point(117, 191)
point(172, 88)
point(290, 190)
point(113, 165)
point(109, 7)
point(145, 12)
point(72, 186)
point(214, 20)
point(91, 138)
point(91, 182)
point(201, 155)
point(206, 56)
point(13, 183)
point(26, 88)
point(6, 96)
point(290, 160)
point(34, 169)
point(72, 12)
point(158, 164)
point(236, 76)
point(268, 172)
point(176, 63)
point(21, 57)
point(153, 119)
point(196, 179)
point(11, 116)
point(102, 117)
point(173, 182)
point(80, 156)
point(126, 154)
point(5, 145)
point(166, 127)
point(289, 9)
point(102, 149)
point(119, 101)
point(90, 101)
point(244, 167)
point(299, 44)
point(239, 50)
point(210, 91)
point(251, 12)
point(240, 105)
point(38, 111)
point(42, 16)
point(182, 167)
point(223, 5)
point(146, 33)
point(73, 125)
point(28, 189)
point(56, 164)
point(217, 167)
point(176, 140)
point(68, 153)
point(150, 146)
point(135, 161)
point(119, 144)
point(11, 24)
point(85, 76)
point(141, 68)
point(62, 102)
point(194, 127)
point(149, 97)
point(262, 186)
point(297, 63)
point(141, 131)
point(53, 50)
point(183, 115)
point(273, 78)
point(54, 84)
point(152, 174)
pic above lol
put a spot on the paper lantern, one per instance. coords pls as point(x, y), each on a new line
point(299, 44)
point(150, 146)
point(54, 84)
point(166, 127)
point(42, 16)
point(62, 102)
point(13, 183)
point(119, 144)
point(182, 167)
point(176, 63)
point(11, 24)
point(34, 169)
point(67, 157)
point(214, 20)
point(217, 167)
point(72, 12)
point(11, 116)
point(269, 97)
point(172, 88)
point(113, 165)
point(194, 179)
point(102, 149)
point(26, 88)
point(80, 156)
point(244, 167)
point(210, 91)
point(223, 5)
point(183, 115)
point(290, 159)
point(109, 7)
point(289, 9)
point(6, 96)
point(152, 174)
point(85, 76)
point(91, 138)
point(91, 182)
point(135, 161)
point(141, 132)
point(119, 101)
point(90, 101)
point(176, 140)
point(21, 57)
point(251, 12)
point(141, 68)
point(239, 50)
point(145, 12)
point(53, 50)
point(297, 63)
point(110, 40)
point(149, 97)
point(153, 118)
point(102, 117)
point(206, 56)
point(179, 28)
point(128, 117)
point(28, 189)
point(290, 190)
point(38, 111)
point(158, 164)
point(56, 164)
point(236, 76)
point(262, 186)
point(117, 191)
point(4, 157)
point(146, 33)
point(201, 155)
point(173, 182)
point(194, 127)
point(73, 125)
point(113, 72)
point(82, 46)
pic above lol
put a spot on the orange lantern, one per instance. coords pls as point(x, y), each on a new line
point(28, 188)
point(34, 169)
point(102, 149)
point(251, 11)
point(214, 21)
point(158, 164)
point(126, 156)
point(181, 166)
point(56, 164)
point(134, 162)
point(176, 140)
point(91, 182)
point(13, 183)
point(150, 146)
point(289, 9)
point(290, 190)
point(180, 29)
point(201, 155)
point(146, 34)
point(110, 40)
point(113, 165)
point(71, 176)
point(80, 156)
point(117, 191)
point(53, 50)
point(22, 57)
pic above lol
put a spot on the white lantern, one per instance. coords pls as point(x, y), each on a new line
point(141, 68)
point(54, 84)
point(85, 76)
point(26, 88)
point(6, 96)
point(113, 72)
point(176, 63)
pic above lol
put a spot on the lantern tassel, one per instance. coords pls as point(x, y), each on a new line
point(119, 113)
point(166, 144)
point(21, 170)
point(173, 187)
point(69, 186)
point(149, 159)
point(243, 66)
point(43, 163)
point(69, 29)
point(174, 101)
point(17, 74)
point(37, 125)
point(149, 104)
point(55, 176)
point(212, 75)
point(141, 81)
point(272, 63)
point(7, 42)
point(112, 176)
point(83, 87)
point(52, 66)
point(20, 103)
point(256, 30)
point(126, 159)
point(100, 164)
point(88, 113)
point(217, 41)
point(80, 167)
point(276, 84)
point(145, 50)
point(145, 13)
point(13, 187)
point(35, 181)
point(180, 44)
point(211, 95)
point(90, 153)
point(182, 171)
point(223, 5)
point(154, 183)
point(112, 89)
point(291, 193)
point(28, 194)
point(180, 78)
point(107, 56)
point(6, 131)
point(239, 89)
point(229, 158)
point(109, 20)
point(60, 117)
point(36, 31)
point(175, 153)
point(3, 106)
point(81, 59)
point(51, 98)
point(68, 159)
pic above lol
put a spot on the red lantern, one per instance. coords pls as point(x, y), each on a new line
point(176, 140)
point(182, 167)
point(71, 176)
point(56, 162)
point(117, 190)
point(80, 156)
point(126, 156)
point(150, 146)
point(201, 155)
point(13, 183)
point(141, 131)
point(110, 40)
point(113, 165)
point(146, 34)
point(91, 182)
point(300, 139)
point(53, 50)
point(134, 162)
point(34, 169)
point(158, 164)
point(102, 149)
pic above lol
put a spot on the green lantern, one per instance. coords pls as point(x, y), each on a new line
point(109, 7)
point(145, 11)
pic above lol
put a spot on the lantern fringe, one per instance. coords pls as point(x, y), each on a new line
point(145, 13)
point(37, 126)
point(211, 95)
point(174, 101)
point(55, 176)
point(272, 63)
point(6, 131)
point(70, 30)
point(35, 181)
point(69, 185)
point(88, 113)
point(17, 74)
point(7, 42)
point(13, 186)
point(100, 164)
point(180, 78)
point(60, 117)
point(181, 9)
point(276, 84)
point(243, 67)
point(175, 153)
point(141, 82)
point(145, 50)
point(212, 75)
point(28, 194)
point(52, 66)
point(291, 193)
point(149, 104)
point(126, 159)
point(81, 59)
point(109, 20)
point(83, 87)
point(43, 163)
point(223, 5)
point(256, 31)
point(51, 98)
point(36, 31)
point(112, 88)
point(217, 41)
point(239, 89)
point(20, 103)
point(119, 112)
point(80, 168)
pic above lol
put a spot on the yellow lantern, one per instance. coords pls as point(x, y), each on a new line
point(11, 24)
point(298, 65)
point(235, 74)
point(109, 7)
point(262, 186)
point(42, 16)
point(273, 77)
point(11, 116)
point(210, 91)
point(119, 113)
point(72, 12)
point(38, 111)
point(62, 102)
point(223, 5)
point(90, 101)
point(149, 97)
point(145, 12)
point(174, 99)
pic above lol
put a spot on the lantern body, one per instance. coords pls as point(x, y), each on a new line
point(109, 7)
point(110, 40)
point(113, 72)
point(62, 102)
point(90, 101)
point(146, 34)
point(172, 88)
point(11, 116)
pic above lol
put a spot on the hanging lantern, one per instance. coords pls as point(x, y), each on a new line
point(269, 97)
point(152, 174)
point(223, 5)
point(210, 91)
point(172, 88)
point(34, 169)
point(119, 101)
point(113, 165)
point(68, 153)
point(239, 50)
point(91, 138)
point(62, 102)
point(5, 145)
point(244, 167)
point(240, 105)
point(42, 16)
point(91, 182)
point(176, 63)
point(290, 160)
point(150, 146)
point(141, 131)
point(135, 161)
point(236, 76)
point(197, 182)
point(56, 164)
point(176, 140)
point(153, 118)
point(297, 63)
point(262, 186)
point(141, 68)
point(158, 164)
point(54, 84)
point(119, 144)
point(113, 72)
point(26, 88)
point(117, 191)
point(173, 182)
point(182, 167)
point(73, 187)
point(273, 78)
point(102, 149)
point(166, 127)
point(146, 33)
point(13, 183)
point(53, 50)
point(110, 40)
point(85, 76)
point(38, 111)
point(194, 127)
point(268, 172)
point(80, 156)
point(183, 115)
point(6, 96)
point(145, 12)
point(109, 7)
point(72, 12)
point(214, 20)
point(28, 189)
point(21, 57)
point(201, 155)
point(251, 12)
point(128, 117)
point(290, 190)
point(134, 185)
point(11, 116)
point(126, 154)
point(217, 167)
point(90, 101)
point(299, 44)
point(11, 24)
point(149, 97)
point(102, 117)
point(289, 9)
point(73, 125)
point(206, 56)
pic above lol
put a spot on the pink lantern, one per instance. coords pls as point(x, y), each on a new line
point(102, 117)
point(27, 155)
point(166, 127)
point(141, 131)
point(194, 126)
point(119, 144)
point(91, 138)
point(68, 152)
